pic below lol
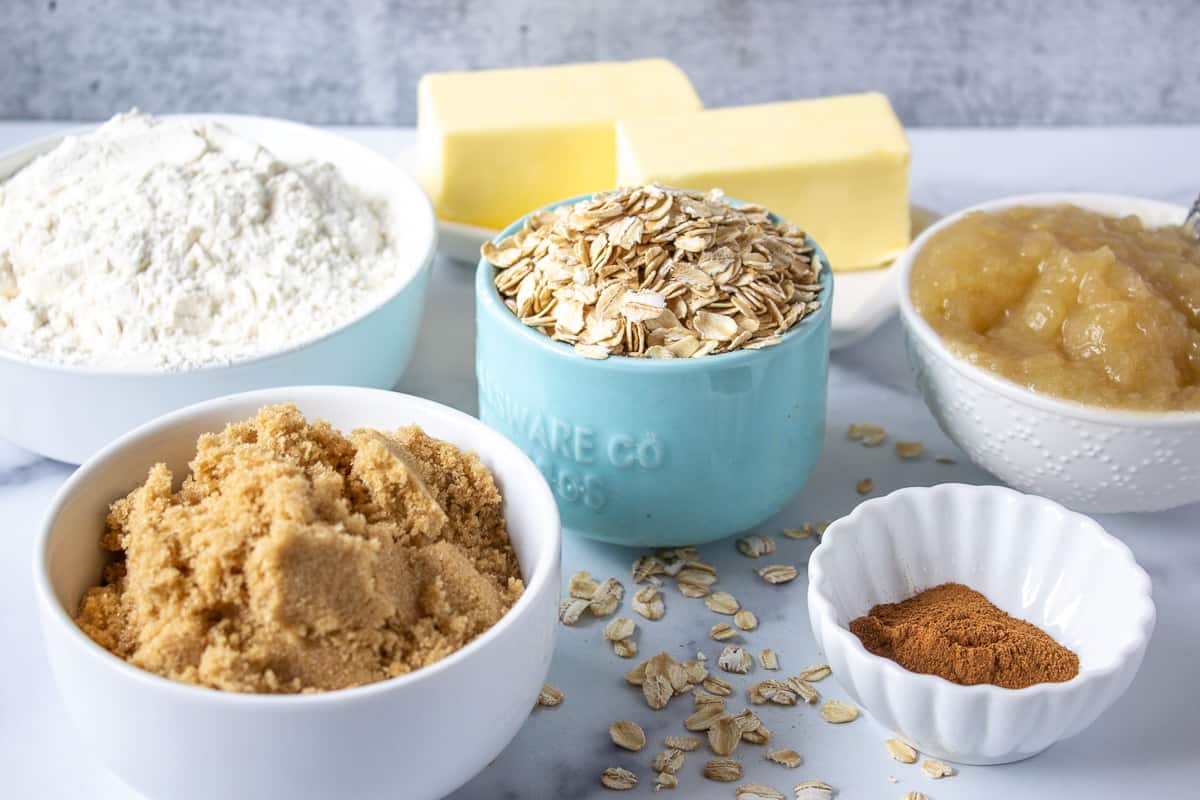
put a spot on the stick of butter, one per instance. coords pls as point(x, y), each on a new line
point(496, 144)
point(837, 167)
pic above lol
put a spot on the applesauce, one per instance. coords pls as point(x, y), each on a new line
point(1093, 308)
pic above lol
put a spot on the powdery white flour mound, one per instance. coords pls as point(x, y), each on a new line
point(169, 244)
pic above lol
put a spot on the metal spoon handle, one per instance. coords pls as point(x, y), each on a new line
point(1193, 219)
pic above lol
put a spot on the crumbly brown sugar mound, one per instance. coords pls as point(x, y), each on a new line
point(294, 559)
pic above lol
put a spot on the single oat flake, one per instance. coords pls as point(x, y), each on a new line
point(657, 272)
point(816, 672)
point(627, 735)
point(618, 779)
point(869, 434)
point(838, 711)
point(813, 790)
point(665, 780)
point(724, 735)
point(722, 603)
point(909, 450)
point(865, 486)
point(902, 752)
point(722, 631)
point(619, 628)
point(725, 770)
point(550, 696)
point(669, 760)
point(684, 743)
point(768, 659)
point(757, 791)
point(936, 769)
point(625, 648)
point(582, 586)
point(788, 758)
point(745, 619)
point(735, 659)
point(648, 601)
point(756, 545)
point(778, 573)
point(915, 796)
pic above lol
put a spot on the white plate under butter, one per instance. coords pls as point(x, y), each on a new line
point(864, 299)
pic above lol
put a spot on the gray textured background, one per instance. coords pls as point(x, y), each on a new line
point(943, 62)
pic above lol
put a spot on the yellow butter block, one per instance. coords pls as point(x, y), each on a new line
point(837, 167)
point(496, 144)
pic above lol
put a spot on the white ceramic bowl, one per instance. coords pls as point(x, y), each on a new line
point(70, 412)
point(1088, 458)
point(1031, 557)
point(417, 736)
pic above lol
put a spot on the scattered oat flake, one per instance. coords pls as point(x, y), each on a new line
point(627, 735)
point(684, 743)
point(870, 435)
point(756, 545)
point(757, 791)
point(721, 603)
point(619, 628)
point(582, 585)
point(777, 573)
point(625, 648)
point(735, 659)
point(637, 675)
point(607, 597)
point(669, 760)
point(722, 631)
point(704, 716)
point(725, 770)
point(914, 795)
point(838, 711)
point(768, 659)
point(865, 486)
point(648, 601)
point(788, 758)
point(718, 686)
point(647, 567)
point(618, 779)
point(571, 609)
point(550, 696)
point(909, 450)
point(745, 619)
point(902, 752)
point(665, 780)
point(817, 672)
point(813, 790)
point(945, 460)
point(805, 531)
point(724, 735)
point(803, 689)
point(658, 691)
point(936, 769)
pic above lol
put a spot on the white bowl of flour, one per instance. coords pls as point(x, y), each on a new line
point(157, 261)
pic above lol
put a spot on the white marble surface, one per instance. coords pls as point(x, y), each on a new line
point(1145, 746)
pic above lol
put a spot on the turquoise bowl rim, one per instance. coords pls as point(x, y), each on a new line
point(486, 271)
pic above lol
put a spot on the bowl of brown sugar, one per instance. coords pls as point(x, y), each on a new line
point(980, 624)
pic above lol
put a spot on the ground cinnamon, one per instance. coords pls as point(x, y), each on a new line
point(954, 632)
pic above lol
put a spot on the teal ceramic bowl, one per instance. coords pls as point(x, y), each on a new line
point(649, 452)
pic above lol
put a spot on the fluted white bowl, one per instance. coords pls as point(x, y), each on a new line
point(1089, 458)
point(1031, 557)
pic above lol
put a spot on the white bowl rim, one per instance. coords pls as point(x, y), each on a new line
point(280, 702)
point(428, 226)
point(824, 607)
point(1004, 386)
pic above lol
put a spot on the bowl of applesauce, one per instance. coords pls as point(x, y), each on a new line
point(1056, 339)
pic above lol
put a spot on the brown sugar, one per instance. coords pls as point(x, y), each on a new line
point(294, 559)
point(954, 632)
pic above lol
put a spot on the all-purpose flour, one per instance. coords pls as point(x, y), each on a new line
point(166, 244)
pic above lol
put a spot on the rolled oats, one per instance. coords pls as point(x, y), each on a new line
point(684, 743)
point(618, 779)
point(869, 434)
point(838, 711)
point(648, 601)
point(718, 686)
point(665, 780)
point(722, 631)
point(909, 450)
point(607, 597)
point(647, 567)
point(816, 672)
point(745, 620)
point(627, 735)
point(721, 603)
point(865, 486)
point(915, 796)
point(657, 272)
point(704, 716)
point(788, 758)
point(936, 769)
point(778, 573)
point(582, 585)
point(767, 659)
point(813, 790)
point(725, 770)
point(619, 628)
point(724, 734)
point(550, 696)
point(571, 609)
point(625, 648)
point(735, 659)
point(756, 545)
point(902, 752)
point(757, 791)
point(669, 760)
point(803, 689)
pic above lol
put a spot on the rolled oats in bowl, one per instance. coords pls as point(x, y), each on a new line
point(657, 272)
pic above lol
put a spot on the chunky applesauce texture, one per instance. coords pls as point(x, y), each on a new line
point(1097, 309)
point(295, 559)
